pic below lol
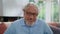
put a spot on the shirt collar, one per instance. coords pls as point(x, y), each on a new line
point(23, 22)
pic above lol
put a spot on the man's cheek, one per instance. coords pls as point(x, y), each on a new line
point(34, 19)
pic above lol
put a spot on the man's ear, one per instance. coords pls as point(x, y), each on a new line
point(23, 10)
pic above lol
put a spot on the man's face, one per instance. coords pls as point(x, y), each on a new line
point(30, 14)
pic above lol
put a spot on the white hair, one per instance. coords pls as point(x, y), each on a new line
point(31, 3)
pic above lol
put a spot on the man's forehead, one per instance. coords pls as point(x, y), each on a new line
point(31, 10)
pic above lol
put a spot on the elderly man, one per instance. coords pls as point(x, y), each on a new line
point(29, 24)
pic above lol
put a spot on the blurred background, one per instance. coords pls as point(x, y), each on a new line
point(11, 10)
point(49, 9)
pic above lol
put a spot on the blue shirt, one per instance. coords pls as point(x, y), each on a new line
point(19, 27)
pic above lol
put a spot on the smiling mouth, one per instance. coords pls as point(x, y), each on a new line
point(30, 20)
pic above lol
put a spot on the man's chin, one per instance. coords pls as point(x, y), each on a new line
point(30, 21)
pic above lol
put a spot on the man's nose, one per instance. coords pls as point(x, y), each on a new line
point(31, 17)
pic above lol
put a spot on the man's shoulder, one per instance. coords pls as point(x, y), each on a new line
point(16, 22)
point(40, 21)
point(19, 20)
